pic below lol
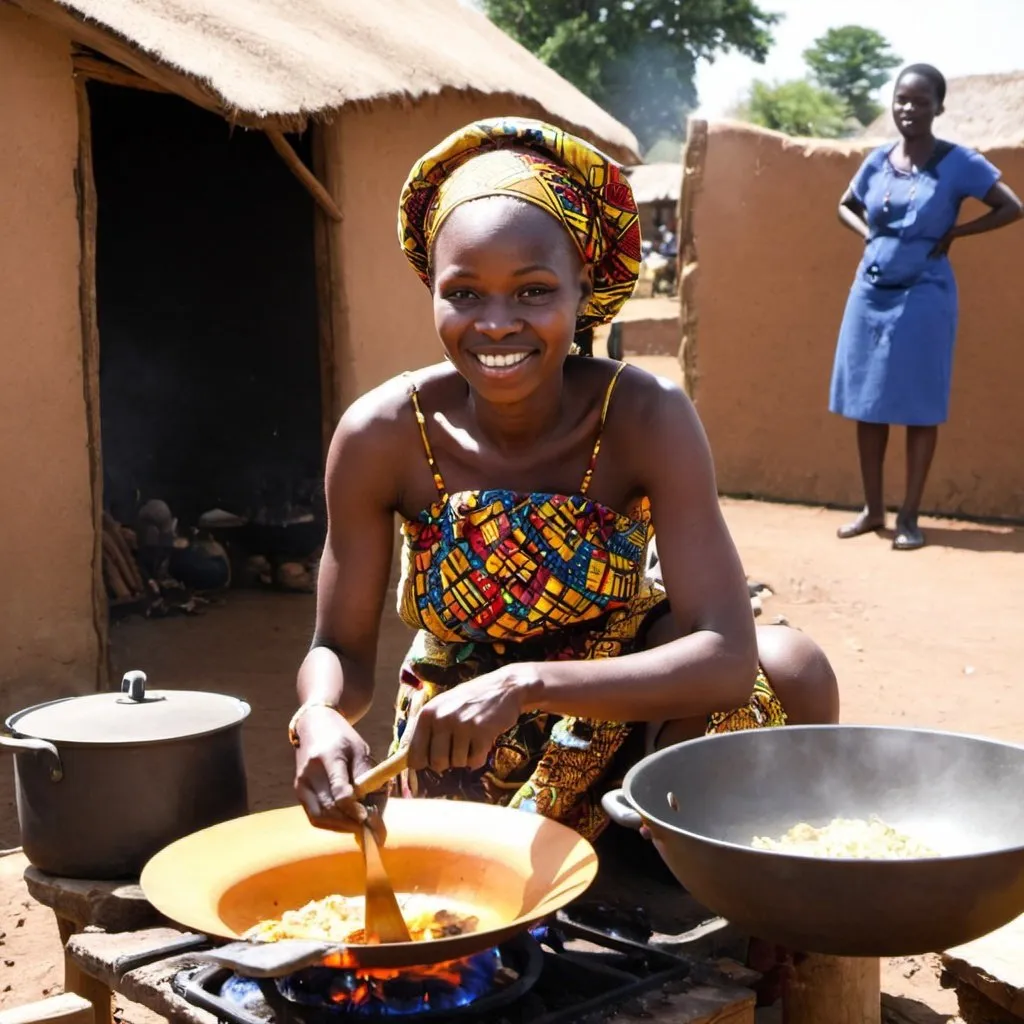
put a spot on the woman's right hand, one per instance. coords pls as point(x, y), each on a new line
point(330, 755)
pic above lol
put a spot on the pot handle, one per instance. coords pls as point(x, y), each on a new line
point(618, 808)
point(134, 684)
point(31, 743)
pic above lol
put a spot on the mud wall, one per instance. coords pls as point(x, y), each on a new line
point(47, 640)
point(772, 274)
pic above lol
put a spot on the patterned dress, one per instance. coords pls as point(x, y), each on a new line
point(492, 577)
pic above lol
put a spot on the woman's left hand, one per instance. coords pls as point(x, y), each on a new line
point(458, 727)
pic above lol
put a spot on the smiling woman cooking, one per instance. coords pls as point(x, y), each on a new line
point(530, 480)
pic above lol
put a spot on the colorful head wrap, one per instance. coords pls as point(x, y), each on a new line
point(579, 186)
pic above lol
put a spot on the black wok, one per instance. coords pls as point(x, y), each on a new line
point(706, 799)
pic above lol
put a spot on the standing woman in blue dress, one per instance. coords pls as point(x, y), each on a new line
point(895, 353)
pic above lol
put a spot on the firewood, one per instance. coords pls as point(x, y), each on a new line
point(112, 556)
point(125, 566)
point(113, 530)
point(114, 580)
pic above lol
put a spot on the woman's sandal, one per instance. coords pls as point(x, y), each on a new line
point(861, 525)
point(908, 537)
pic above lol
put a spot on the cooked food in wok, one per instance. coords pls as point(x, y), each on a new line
point(852, 838)
point(340, 919)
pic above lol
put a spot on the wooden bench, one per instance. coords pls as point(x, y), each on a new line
point(78, 904)
point(68, 1008)
point(989, 974)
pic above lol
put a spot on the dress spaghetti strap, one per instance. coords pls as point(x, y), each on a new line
point(592, 465)
point(442, 490)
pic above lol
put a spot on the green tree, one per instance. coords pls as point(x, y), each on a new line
point(796, 108)
point(636, 58)
point(854, 62)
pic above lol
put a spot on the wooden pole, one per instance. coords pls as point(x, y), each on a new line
point(323, 226)
point(833, 990)
point(331, 312)
point(309, 180)
point(113, 74)
point(694, 153)
point(86, 186)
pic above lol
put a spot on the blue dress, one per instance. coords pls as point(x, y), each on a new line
point(894, 358)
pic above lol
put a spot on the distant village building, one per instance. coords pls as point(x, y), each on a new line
point(656, 189)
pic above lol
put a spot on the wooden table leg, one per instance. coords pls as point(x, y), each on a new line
point(77, 981)
point(833, 990)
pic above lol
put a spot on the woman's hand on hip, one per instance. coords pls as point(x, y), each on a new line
point(457, 729)
point(329, 757)
point(941, 247)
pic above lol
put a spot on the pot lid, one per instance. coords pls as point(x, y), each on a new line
point(131, 715)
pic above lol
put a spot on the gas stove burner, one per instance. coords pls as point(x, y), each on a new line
point(475, 985)
point(423, 992)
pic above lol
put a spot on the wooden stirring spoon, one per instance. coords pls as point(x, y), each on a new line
point(380, 774)
point(383, 916)
point(383, 919)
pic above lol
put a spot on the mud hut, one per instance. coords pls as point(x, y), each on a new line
point(981, 110)
point(197, 255)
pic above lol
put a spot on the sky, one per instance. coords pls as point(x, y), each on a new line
point(960, 37)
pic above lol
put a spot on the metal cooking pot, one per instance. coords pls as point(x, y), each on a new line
point(705, 800)
point(106, 780)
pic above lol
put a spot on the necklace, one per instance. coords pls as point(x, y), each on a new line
point(892, 172)
point(890, 175)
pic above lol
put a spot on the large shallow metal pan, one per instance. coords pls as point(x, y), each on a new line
point(511, 867)
point(705, 800)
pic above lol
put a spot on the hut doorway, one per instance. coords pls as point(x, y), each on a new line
point(206, 303)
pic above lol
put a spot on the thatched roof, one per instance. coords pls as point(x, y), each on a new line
point(284, 61)
point(656, 183)
point(981, 111)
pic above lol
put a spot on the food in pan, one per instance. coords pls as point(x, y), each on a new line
point(847, 837)
point(340, 919)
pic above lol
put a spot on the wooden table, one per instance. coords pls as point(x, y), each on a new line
point(102, 956)
point(79, 904)
point(718, 993)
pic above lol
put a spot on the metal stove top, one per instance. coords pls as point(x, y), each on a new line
point(561, 974)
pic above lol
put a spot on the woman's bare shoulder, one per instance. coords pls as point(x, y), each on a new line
point(373, 444)
point(390, 404)
point(644, 398)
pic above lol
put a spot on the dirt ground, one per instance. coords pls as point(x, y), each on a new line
point(662, 307)
point(927, 638)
